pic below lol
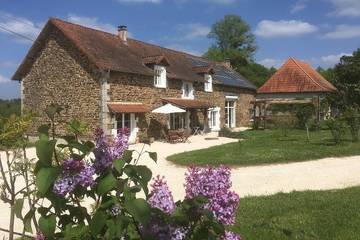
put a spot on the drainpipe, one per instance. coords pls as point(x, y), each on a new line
point(104, 98)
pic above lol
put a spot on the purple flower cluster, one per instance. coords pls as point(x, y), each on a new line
point(108, 151)
point(160, 196)
point(214, 184)
point(75, 173)
point(39, 236)
point(230, 236)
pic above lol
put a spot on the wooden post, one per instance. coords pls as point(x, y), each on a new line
point(318, 108)
point(206, 120)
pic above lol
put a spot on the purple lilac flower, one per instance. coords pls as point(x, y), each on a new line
point(39, 236)
point(160, 195)
point(70, 165)
point(179, 234)
point(107, 151)
point(230, 236)
point(115, 210)
point(85, 177)
point(64, 185)
point(214, 184)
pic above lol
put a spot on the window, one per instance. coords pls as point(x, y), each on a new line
point(230, 114)
point(160, 76)
point(123, 120)
point(177, 121)
point(188, 90)
point(214, 118)
point(208, 83)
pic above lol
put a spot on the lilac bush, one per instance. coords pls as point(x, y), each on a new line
point(106, 173)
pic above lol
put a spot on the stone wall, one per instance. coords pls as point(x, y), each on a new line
point(62, 75)
point(137, 88)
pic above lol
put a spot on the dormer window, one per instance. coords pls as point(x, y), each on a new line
point(160, 76)
point(208, 83)
point(188, 90)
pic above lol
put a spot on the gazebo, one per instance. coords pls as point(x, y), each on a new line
point(294, 82)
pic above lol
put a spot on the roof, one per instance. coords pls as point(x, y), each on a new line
point(125, 107)
point(107, 52)
point(296, 76)
point(188, 103)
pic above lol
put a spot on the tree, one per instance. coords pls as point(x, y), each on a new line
point(255, 72)
point(346, 78)
point(233, 39)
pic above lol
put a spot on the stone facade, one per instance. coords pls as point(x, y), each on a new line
point(62, 75)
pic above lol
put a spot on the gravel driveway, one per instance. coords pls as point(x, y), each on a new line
point(328, 173)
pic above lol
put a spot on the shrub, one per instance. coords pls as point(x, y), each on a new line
point(352, 118)
point(284, 123)
point(337, 128)
point(304, 114)
point(109, 178)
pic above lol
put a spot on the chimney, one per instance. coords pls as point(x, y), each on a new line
point(227, 63)
point(122, 33)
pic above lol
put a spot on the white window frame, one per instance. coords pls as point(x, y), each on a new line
point(214, 118)
point(160, 76)
point(208, 83)
point(177, 117)
point(230, 123)
point(190, 94)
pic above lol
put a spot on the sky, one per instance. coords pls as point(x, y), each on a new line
point(316, 31)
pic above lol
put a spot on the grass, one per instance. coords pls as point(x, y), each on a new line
point(307, 215)
point(268, 147)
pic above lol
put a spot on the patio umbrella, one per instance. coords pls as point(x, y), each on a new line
point(168, 108)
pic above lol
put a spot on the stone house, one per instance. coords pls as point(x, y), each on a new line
point(113, 81)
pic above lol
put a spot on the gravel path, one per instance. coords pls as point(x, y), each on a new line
point(328, 173)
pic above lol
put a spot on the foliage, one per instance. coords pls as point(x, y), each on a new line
point(107, 176)
point(257, 73)
point(332, 214)
point(270, 146)
point(9, 107)
point(233, 39)
point(304, 113)
point(284, 123)
point(346, 80)
point(16, 167)
point(352, 118)
point(337, 128)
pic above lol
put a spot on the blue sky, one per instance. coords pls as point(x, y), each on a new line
point(317, 31)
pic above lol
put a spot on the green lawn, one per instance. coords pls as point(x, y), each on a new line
point(301, 215)
point(270, 146)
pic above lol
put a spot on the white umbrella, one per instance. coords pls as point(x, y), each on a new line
point(168, 108)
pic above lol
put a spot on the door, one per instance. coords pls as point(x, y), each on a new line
point(230, 114)
point(127, 120)
point(214, 118)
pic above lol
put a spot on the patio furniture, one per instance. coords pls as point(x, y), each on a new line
point(176, 136)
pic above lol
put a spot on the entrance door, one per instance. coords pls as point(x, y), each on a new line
point(230, 114)
point(127, 120)
point(214, 118)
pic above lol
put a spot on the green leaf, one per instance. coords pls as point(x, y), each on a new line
point(153, 156)
point(27, 220)
point(45, 178)
point(119, 164)
point(45, 150)
point(43, 131)
point(52, 110)
point(127, 156)
point(19, 203)
point(144, 172)
point(97, 223)
point(106, 184)
point(47, 225)
point(139, 209)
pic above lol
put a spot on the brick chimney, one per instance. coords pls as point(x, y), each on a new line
point(227, 63)
point(122, 33)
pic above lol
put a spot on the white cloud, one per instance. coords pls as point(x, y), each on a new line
point(222, 1)
point(271, 62)
point(344, 32)
point(346, 8)
point(139, 1)
point(91, 22)
point(4, 79)
point(19, 25)
point(193, 30)
point(298, 6)
point(331, 60)
point(283, 28)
